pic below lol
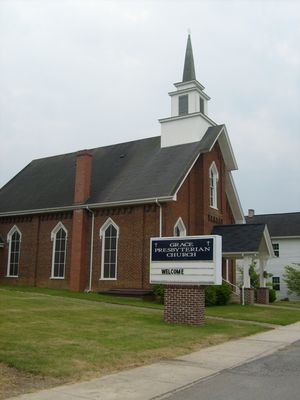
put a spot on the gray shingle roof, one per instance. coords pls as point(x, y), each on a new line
point(286, 224)
point(240, 238)
point(134, 170)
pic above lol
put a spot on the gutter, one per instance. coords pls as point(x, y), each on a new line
point(160, 217)
point(93, 205)
point(285, 237)
point(239, 253)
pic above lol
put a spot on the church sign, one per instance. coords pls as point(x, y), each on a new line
point(191, 260)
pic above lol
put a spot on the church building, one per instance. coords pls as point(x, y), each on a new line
point(83, 220)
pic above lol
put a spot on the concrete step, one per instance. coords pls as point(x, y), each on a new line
point(235, 298)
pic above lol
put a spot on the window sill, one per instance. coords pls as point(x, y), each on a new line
point(214, 208)
point(107, 279)
point(57, 278)
point(11, 276)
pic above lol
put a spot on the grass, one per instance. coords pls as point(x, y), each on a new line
point(138, 302)
point(71, 338)
point(270, 315)
point(291, 304)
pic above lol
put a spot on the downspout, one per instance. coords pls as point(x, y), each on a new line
point(37, 250)
point(160, 217)
point(243, 294)
point(91, 250)
point(243, 286)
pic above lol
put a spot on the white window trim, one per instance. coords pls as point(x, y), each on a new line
point(103, 228)
point(276, 283)
point(54, 231)
point(180, 225)
point(9, 236)
point(277, 249)
point(213, 169)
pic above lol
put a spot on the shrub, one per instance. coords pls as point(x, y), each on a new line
point(215, 295)
point(272, 295)
point(210, 296)
point(223, 293)
point(159, 291)
point(218, 295)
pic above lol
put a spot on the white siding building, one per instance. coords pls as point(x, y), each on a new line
point(284, 230)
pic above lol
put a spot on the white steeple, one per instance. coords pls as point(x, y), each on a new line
point(188, 122)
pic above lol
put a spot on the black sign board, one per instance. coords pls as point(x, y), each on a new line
point(182, 249)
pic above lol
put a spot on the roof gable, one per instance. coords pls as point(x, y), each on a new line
point(219, 133)
point(243, 238)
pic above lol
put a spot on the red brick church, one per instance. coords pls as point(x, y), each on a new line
point(83, 221)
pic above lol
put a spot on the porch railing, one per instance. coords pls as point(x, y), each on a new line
point(235, 289)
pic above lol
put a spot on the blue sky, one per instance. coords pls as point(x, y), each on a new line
point(83, 74)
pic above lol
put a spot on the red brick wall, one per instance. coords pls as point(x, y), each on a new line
point(36, 250)
point(28, 227)
point(193, 199)
point(47, 224)
point(184, 304)
point(262, 295)
point(248, 296)
point(137, 225)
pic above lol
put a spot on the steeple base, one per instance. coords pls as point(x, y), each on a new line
point(184, 129)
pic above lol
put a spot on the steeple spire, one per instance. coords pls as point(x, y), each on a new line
point(189, 68)
point(189, 121)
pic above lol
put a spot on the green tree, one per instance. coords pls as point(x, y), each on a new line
point(292, 278)
point(254, 276)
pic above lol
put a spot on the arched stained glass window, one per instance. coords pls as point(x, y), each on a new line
point(109, 234)
point(59, 237)
point(213, 182)
point(14, 240)
point(179, 228)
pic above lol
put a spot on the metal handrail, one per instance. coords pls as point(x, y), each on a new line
point(237, 289)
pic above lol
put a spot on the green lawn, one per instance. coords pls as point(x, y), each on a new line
point(86, 296)
point(291, 304)
point(271, 315)
point(71, 338)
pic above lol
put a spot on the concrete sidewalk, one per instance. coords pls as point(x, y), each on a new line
point(157, 380)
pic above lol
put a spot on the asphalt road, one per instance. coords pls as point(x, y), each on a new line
point(273, 377)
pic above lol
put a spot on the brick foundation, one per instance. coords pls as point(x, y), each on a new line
point(262, 295)
point(184, 305)
point(248, 296)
